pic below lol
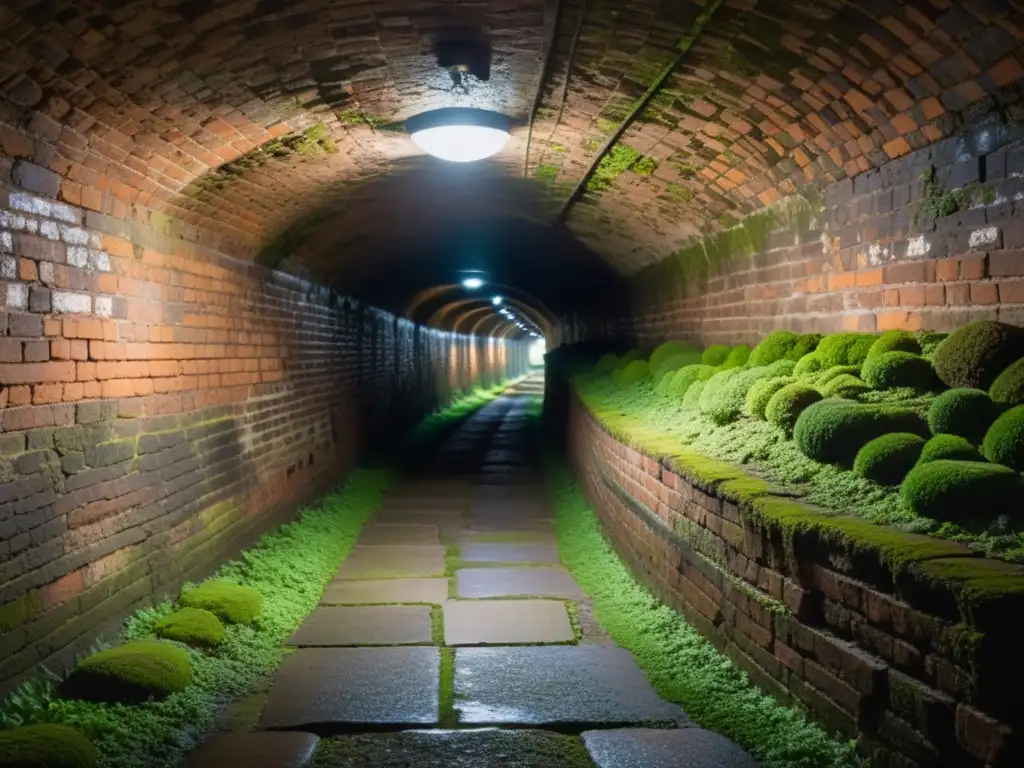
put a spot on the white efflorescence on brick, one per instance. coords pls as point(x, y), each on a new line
point(104, 306)
point(9, 268)
point(17, 295)
point(48, 229)
point(39, 206)
point(74, 235)
point(78, 257)
point(46, 272)
point(88, 258)
point(71, 302)
point(6, 242)
point(981, 237)
point(918, 247)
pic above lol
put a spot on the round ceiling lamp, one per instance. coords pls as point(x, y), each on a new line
point(460, 134)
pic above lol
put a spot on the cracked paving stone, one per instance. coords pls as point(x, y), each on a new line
point(559, 684)
point(256, 750)
point(661, 748)
point(516, 582)
point(432, 591)
point(392, 561)
point(364, 625)
point(503, 622)
point(377, 533)
point(340, 686)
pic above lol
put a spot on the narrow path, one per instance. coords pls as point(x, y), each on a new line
point(452, 637)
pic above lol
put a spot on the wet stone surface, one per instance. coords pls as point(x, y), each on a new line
point(503, 622)
point(378, 533)
point(376, 591)
point(656, 748)
point(509, 553)
point(266, 749)
point(516, 582)
point(388, 561)
point(333, 687)
point(557, 685)
point(364, 625)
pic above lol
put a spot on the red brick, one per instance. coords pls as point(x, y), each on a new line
point(61, 591)
point(984, 293)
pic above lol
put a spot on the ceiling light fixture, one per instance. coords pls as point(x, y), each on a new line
point(460, 134)
point(496, 300)
point(472, 283)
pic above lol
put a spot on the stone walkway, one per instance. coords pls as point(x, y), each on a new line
point(452, 636)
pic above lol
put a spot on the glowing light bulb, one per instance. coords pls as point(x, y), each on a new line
point(461, 143)
point(472, 283)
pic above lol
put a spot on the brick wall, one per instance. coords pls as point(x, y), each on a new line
point(809, 623)
point(868, 260)
point(161, 405)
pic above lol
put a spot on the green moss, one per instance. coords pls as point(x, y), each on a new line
point(232, 603)
point(786, 405)
point(895, 341)
point(951, 447)
point(46, 746)
point(616, 162)
point(968, 493)
point(1004, 441)
point(1008, 388)
point(987, 591)
point(939, 202)
point(663, 376)
point(709, 396)
point(886, 460)
point(725, 401)
point(691, 399)
point(191, 626)
point(631, 355)
point(634, 372)
point(827, 376)
point(964, 412)
point(737, 356)
point(808, 365)
point(644, 165)
point(844, 349)
point(669, 349)
point(761, 392)
point(845, 385)
point(975, 354)
point(716, 354)
point(687, 376)
point(833, 431)
point(130, 673)
point(19, 611)
point(547, 171)
point(784, 345)
point(890, 370)
point(929, 341)
point(608, 362)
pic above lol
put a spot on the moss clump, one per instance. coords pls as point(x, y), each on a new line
point(232, 603)
point(808, 365)
point(835, 372)
point(975, 355)
point(968, 493)
point(687, 376)
point(737, 357)
point(1008, 388)
point(1004, 441)
point(608, 362)
point(965, 412)
point(709, 397)
point(618, 159)
point(784, 345)
point(890, 370)
point(761, 392)
point(691, 400)
point(630, 356)
point(845, 349)
point(716, 354)
point(669, 350)
point(833, 431)
point(886, 460)
point(636, 371)
point(951, 447)
point(786, 405)
point(46, 745)
point(845, 385)
point(726, 403)
point(895, 341)
point(131, 673)
point(673, 364)
point(191, 626)
point(929, 341)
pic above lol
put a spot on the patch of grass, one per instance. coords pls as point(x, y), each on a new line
point(448, 713)
point(612, 165)
point(546, 171)
point(682, 666)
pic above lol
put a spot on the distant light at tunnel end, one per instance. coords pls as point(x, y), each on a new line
point(459, 135)
point(472, 283)
point(496, 300)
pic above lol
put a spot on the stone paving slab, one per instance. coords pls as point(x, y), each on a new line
point(424, 503)
point(542, 581)
point(390, 561)
point(508, 523)
point(504, 622)
point(433, 591)
point(534, 537)
point(558, 684)
point(364, 625)
point(399, 533)
point(509, 553)
point(339, 686)
point(660, 748)
point(455, 749)
point(262, 749)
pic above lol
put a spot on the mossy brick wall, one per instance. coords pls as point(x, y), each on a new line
point(808, 624)
point(163, 405)
point(930, 240)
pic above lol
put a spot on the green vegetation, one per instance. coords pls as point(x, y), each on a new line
point(969, 493)
point(737, 356)
point(833, 431)
point(1004, 441)
point(895, 341)
point(965, 412)
point(844, 349)
point(886, 460)
point(616, 161)
point(725, 403)
point(1008, 388)
point(634, 372)
point(890, 370)
point(130, 673)
point(844, 385)
point(761, 393)
point(939, 202)
point(673, 364)
point(290, 239)
point(687, 376)
point(547, 171)
point(975, 354)
point(786, 405)
point(232, 603)
point(716, 354)
point(809, 364)
point(668, 350)
point(949, 447)
point(45, 746)
point(929, 341)
point(191, 626)
point(645, 165)
point(784, 345)
point(682, 666)
point(607, 363)
point(430, 429)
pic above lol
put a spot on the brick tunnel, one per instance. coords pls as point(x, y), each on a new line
point(285, 482)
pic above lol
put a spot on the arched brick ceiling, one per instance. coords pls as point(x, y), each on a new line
point(157, 111)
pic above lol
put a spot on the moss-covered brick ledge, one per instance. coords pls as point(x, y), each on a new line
point(904, 642)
